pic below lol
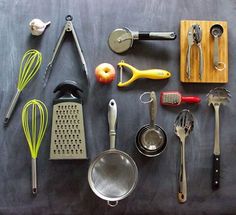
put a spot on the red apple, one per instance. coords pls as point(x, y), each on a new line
point(105, 73)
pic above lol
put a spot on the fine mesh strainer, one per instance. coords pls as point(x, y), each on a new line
point(113, 174)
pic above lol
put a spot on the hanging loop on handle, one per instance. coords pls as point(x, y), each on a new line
point(220, 66)
point(112, 203)
point(144, 94)
point(69, 18)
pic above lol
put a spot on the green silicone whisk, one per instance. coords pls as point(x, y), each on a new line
point(34, 131)
point(29, 66)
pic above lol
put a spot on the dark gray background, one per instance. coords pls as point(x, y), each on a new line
point(63, 186)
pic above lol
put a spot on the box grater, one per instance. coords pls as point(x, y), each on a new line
point(68, 135)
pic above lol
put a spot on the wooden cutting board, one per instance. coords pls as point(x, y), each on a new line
point(210, 74)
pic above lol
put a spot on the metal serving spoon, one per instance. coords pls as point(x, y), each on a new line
point(216, 97)
point(183, 126)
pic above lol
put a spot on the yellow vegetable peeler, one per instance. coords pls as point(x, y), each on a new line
point(156, 74)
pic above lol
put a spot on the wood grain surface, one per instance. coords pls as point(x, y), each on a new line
point(210, 73)
point(63, 185)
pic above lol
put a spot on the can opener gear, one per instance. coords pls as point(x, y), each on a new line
point(156, 74)
point(194, 38)
point(67, 28)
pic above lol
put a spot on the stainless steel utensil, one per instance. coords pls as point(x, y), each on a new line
point(121, 39)
point(183, 126)
point(68, 133)
point(113, 175)
point(217, 97)
point(216, 31)
point(151, 139)
point(68, 28)
point(194, 38)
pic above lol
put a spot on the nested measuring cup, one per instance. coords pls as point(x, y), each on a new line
point(151, 139)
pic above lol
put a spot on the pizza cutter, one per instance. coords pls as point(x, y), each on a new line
point(121, 39)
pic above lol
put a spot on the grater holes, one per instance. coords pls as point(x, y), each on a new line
point(67, 134)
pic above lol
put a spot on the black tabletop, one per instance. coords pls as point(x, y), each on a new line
point(62, 185)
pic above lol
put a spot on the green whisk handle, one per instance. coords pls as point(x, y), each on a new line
point(11, 107)
point(34, 175)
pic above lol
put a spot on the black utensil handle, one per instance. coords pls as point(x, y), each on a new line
point(147, 35)
point(216, 172)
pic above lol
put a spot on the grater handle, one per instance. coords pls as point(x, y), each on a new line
point(68, 86)
point(112, 116)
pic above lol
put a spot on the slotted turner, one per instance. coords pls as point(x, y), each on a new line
point(217, 97)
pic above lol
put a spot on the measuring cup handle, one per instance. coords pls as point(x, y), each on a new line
point(112, 116)
point(147, 35)
point(153, 108)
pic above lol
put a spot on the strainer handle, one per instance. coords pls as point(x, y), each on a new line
point(112, 116)
point(112, 203)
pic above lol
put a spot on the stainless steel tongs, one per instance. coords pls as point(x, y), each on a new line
point(67, 28)
point(194, 38)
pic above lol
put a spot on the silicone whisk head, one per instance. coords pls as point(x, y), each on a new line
point(36, 111)
point(29, 66)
